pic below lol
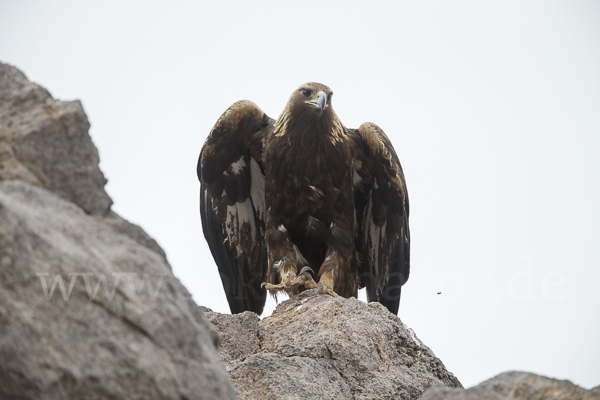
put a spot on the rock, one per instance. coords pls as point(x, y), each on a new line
point(524, 385)
point(239, 334)
point(439, 392)
point(515, 385)
point(45, 142)
point(136, 233)
point(317, 346)
point(89, 308)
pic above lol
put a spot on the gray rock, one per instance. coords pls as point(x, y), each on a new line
point(89, 308)
point(439, 392)
point(515, 385)
point(525, 385)
point(140, 337)
point(45, 142)
point(242, 337)
point(317, 346)
point(134, 232)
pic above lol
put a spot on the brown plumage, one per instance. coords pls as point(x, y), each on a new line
point(303, 191)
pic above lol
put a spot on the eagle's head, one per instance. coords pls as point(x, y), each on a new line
point(309, 107)
point(311, 99)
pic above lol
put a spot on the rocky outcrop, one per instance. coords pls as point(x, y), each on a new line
point(89, 308)
point(317, 346)
point(515, 385)
point(45, 142)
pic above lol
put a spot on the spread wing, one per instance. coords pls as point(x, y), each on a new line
point(381, 201)
point(232, 203)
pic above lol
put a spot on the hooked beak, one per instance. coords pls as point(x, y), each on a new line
point(320, 102)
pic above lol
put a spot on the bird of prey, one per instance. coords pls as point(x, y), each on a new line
point(303, 202)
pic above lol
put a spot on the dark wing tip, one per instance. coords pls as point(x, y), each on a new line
point(381, 202)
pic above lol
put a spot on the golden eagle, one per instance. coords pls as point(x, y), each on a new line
point(283, 201)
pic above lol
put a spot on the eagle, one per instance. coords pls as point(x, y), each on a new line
point(303, 202)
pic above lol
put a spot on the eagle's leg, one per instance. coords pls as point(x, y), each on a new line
point(337, 274)
point(326, 275)
point(282, 264)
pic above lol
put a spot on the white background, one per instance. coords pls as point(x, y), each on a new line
point(493, 108)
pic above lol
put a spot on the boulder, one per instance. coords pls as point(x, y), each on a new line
point(89, 307)
point(321, 347)
point(515, 385)
point(45, 142)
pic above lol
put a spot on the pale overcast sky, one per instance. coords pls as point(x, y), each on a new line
point(493, 108)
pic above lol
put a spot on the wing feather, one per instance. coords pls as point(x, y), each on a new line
point(232, 203)
point(382, 208)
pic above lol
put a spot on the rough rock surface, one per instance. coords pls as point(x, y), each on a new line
point(45, 142)
point(439, 392)
point(89, 308)
point(317, 346)
point(515, 385)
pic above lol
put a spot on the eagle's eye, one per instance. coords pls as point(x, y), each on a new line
point(306, 92)
point(329, 96)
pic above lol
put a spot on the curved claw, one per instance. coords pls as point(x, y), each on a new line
point(262, 285)
point(307, 268)
point(319, 289)
point(307, 271)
